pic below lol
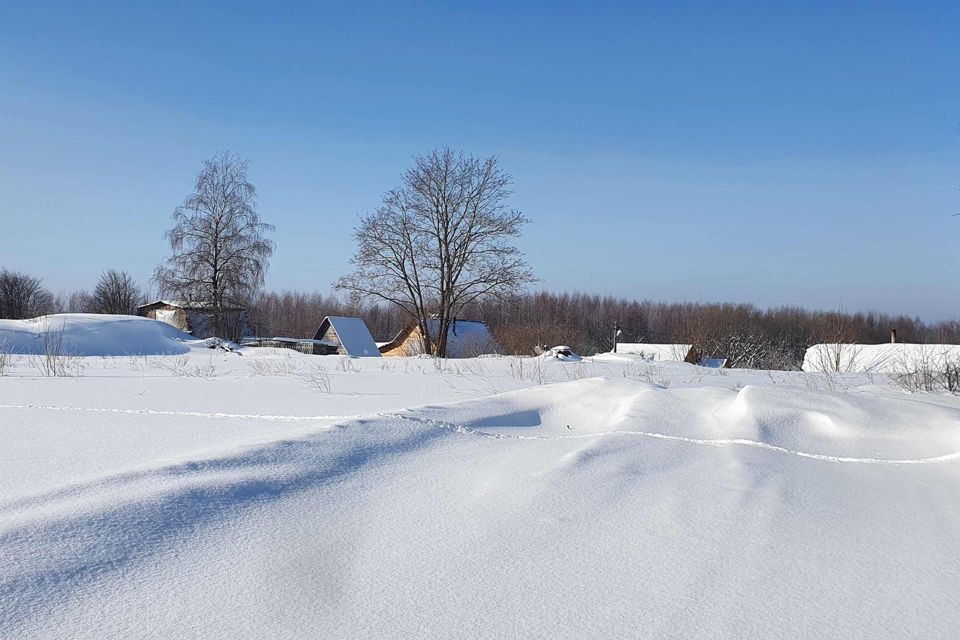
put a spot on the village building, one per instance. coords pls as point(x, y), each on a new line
point(346, 336)
point(465, 339)
point(197, 318)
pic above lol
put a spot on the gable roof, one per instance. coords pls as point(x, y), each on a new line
point(354, 336)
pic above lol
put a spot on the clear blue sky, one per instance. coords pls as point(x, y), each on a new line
point(776, 153)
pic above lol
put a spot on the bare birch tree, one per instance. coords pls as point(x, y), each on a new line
point(440, 241)
point(220, 249)
point(116, 292)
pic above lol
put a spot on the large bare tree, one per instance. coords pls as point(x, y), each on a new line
point(116, 292)
point(440, 241)
point(220, 249)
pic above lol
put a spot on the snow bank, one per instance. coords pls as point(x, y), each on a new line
point(90, 334)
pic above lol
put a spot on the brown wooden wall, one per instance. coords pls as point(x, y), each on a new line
point(180, 316)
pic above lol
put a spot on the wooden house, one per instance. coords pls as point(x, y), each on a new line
point(465, 339)
point(346, 336)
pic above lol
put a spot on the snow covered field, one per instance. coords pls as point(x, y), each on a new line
point(268, 494)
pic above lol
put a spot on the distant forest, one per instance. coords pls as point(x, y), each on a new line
point(747, 336)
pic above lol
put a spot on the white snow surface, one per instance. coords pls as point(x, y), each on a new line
point(271, 494)
point(900, 357)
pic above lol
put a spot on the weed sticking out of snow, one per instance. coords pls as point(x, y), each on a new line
point(316, 377)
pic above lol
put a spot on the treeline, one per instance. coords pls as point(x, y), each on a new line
point(746, 335)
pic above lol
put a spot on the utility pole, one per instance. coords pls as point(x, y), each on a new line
point(616, 334)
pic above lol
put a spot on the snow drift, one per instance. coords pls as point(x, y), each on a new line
point(91, 334)
point(720, 506)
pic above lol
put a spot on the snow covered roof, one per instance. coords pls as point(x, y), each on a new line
point(656, 352)
point(465, 339)
point(877, 358)
point(187, 305)
point(354, 336)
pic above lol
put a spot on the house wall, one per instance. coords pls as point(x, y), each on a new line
point(331, 336)
point(174, 316)
point(411, 345)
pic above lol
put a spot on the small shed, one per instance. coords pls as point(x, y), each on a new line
point(465, 339)
point(660, 352)
point(347, 336)
point(196, 318)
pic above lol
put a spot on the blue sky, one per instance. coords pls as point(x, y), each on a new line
point(775, 153)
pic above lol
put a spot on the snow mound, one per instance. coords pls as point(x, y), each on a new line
point(833, 427)
point(92, 334)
